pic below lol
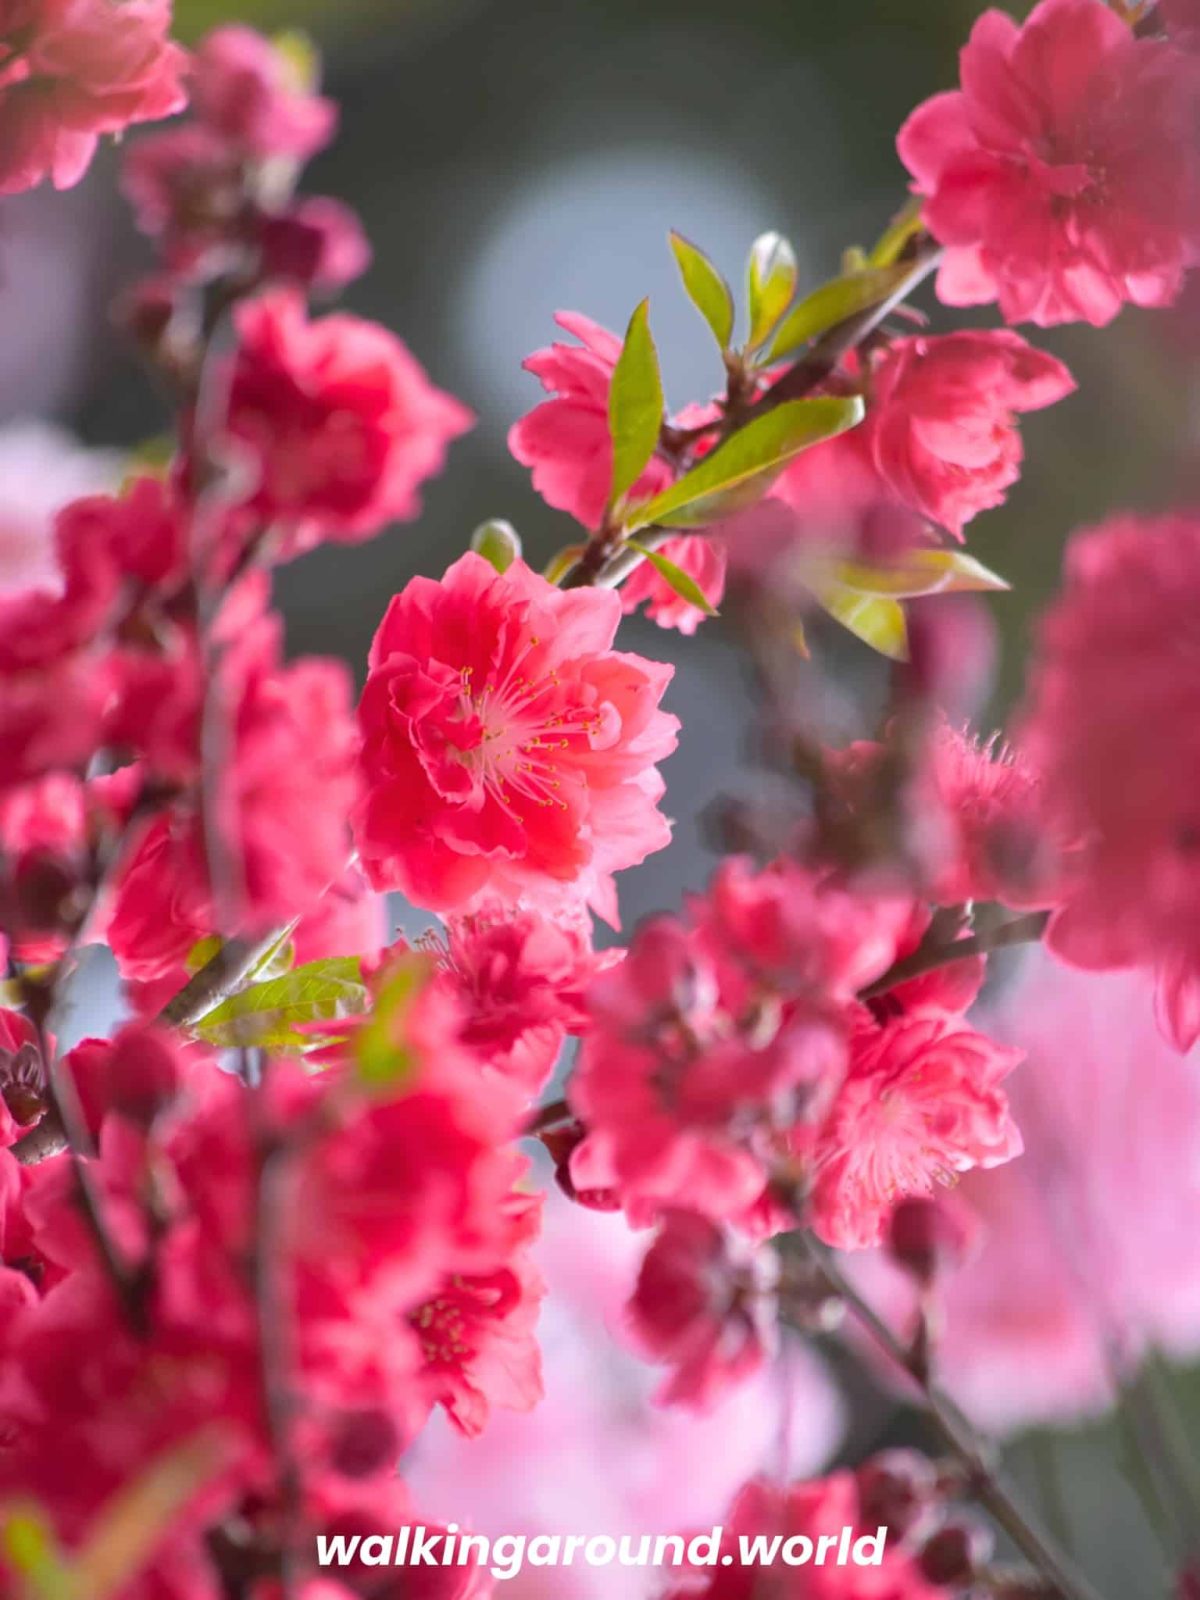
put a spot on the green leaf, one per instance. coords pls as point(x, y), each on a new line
point(706, 288)
point(905, 225)
point(683, 584)
point(635, 404)
point(30, 1550)
point(834, 302)
point(137, 1519)
point(381, 1047)
point(918, 572)
point(271, 1015)
point(740, 471)
point(561, 562)
point(497, 541)
point(771, 276)
point(875, 619)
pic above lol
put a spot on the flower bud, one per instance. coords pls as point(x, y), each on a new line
point(498, 542)
point(897, 1490)
point(927, 1236)
point(955, 1553)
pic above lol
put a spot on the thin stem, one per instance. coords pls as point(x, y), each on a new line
point(984, 1482)
point(548, 1116)
point(929, 958)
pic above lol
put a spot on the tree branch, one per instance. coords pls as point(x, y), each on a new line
point(983, 1481)
point(929, 958)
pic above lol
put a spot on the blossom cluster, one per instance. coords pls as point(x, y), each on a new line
point(254, 1240)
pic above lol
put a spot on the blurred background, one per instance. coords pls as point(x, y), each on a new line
point(512, 158)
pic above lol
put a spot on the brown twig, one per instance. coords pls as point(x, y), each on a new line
point(983, 1481)
point(930, 957)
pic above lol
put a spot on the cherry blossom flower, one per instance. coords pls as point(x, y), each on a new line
point(703, 1305)
point(249, 92)
point(1062, 176)
point(822, 1506)
point(1110, 693)
point(1092, 1222)
point(338, 420)
point(920, 1104)
point(72, 70)
point(507, 748)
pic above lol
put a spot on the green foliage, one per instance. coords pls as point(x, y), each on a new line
point(635, 405)
point(706, 288)
point(497, 541)
point(919, 572)
point(684, 585)
point(381, 1048)
point(30, 1550)
point(741, 470)
point(875, 619)
point(771, 277)
point(273, 1015)
point(833, 302)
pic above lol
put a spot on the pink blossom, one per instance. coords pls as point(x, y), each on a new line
point(717, 1044)
point(72, 70)
point(291, 732)
point(823, 1506)
point(920, 1104)
point(941, 425)
point(1111, 694)
point(246, 90)
point(477, 1332)
point(566, 440)
point(507, 748)
point(703, 559)
point(338, 419)
point(703, 1305)
point(520, 979)
point(1062, 176)
point(1085, 1252)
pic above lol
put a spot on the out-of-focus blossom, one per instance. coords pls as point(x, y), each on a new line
point(1085, 1254)
point(703, 1305)
point(44, 468)
point(676, 1468)
point(338, 420)
point(1113, 731)
point(72, 70)
point(1062, 176)
point(252, 93)
point(807, 1510)
point(508, 750)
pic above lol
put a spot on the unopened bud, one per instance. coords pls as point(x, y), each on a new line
point(954, 1554)
point(926, 1237)
point(897, 1489)
point(498, 542)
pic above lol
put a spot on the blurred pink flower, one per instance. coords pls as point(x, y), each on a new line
point(597, 1456)
point(1088, 1249)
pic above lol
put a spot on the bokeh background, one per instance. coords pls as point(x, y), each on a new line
point(514, 157)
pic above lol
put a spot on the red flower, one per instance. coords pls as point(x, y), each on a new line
point(71, 70)
point(704, 1305)
point(246, 89)
point(717, 1044)
point(921, 1103)
point(477, 1332)
point(941, 427)
point(1113, 729)
point(803, 1512)
point(1062, 176)
point(507, 748)
point(338, 419)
